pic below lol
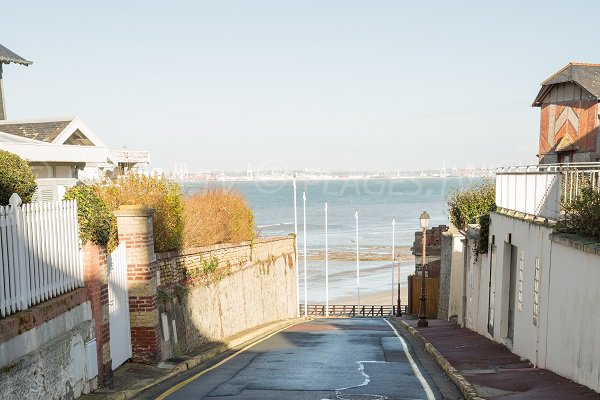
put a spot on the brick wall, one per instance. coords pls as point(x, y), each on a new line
point(24, 321)
point(96, 280)
point(135, 230)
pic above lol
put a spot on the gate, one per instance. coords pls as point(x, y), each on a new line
point(118, 306)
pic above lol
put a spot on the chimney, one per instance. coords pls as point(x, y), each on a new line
point(7, 57)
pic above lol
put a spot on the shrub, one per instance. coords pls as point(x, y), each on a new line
point(217, 216)
point(472, 205)
point(153, 192)
point(467, 205)
point(582, 215)
point(97, 223)
point(16, 176)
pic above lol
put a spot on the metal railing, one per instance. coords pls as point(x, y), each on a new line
point(320, 310)
point(131, 156)
point(543, 190)
point(576, 177)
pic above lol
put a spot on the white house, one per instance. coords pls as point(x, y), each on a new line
point(60, 150)
point(536, 290)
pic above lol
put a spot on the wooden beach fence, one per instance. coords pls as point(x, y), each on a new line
point(40, 254)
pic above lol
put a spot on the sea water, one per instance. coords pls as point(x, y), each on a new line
point(377, 201)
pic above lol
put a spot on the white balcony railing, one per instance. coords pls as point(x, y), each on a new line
point(131, 156)
point(543, 190)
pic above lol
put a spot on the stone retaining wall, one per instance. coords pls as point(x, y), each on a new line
point(251, 284)
point(47, 359)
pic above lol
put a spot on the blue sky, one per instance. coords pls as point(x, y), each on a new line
point(344, 85)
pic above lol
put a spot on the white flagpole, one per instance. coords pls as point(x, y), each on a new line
point(357, 264)
point(297, 267)
point(393, 256)
point(326, 266)
point(304, 235)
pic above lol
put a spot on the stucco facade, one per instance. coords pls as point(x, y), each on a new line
point(536, 292)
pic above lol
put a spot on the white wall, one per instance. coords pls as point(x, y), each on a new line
point(456, 278)
point(573, 344)
point(532, 241)
point(566, 336)
point(478, 275)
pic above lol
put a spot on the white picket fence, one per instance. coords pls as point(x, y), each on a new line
point(40, 254)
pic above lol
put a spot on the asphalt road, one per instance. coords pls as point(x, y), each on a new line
point(321, 359)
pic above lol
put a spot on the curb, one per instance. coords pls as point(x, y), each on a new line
point(207, 355)
point(467, 389)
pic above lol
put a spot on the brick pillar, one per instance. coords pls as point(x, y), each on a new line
point(96, 280)
point(135, 230)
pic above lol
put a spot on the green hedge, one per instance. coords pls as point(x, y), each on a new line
point(468, 204)
point(163, 196)
point(16, 176)
point(472, 205)
point(582, 216)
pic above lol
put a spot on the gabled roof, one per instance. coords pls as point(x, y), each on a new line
point(44, 131)
point(7, 57)
point(65, 130)
point(65, 139)
point(583, 74)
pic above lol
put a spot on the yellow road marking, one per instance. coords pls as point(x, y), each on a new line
point(175, 388)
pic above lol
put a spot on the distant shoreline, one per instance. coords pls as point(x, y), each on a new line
point(323, 179)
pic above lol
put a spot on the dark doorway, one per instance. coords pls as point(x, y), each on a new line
point(512, 290)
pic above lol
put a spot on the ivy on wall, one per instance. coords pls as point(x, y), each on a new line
point(97, 224)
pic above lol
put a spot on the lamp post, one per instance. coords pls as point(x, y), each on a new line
point(393, 258)
point(326, 265)
point(357, 264)
point(399, 301)
point(424, 220)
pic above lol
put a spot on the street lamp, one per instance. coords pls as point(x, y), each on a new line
point(424, 220)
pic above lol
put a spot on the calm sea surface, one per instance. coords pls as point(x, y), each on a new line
point(377, 202)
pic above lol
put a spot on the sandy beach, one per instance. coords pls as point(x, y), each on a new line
point(379, 298)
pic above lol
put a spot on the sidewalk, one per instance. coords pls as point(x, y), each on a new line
point(130, 379)
point(482, 368)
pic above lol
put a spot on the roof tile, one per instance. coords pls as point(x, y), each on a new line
point(43, 131)
point(7, 57)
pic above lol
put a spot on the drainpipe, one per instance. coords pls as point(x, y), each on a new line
point(464, 288)
point(2, 109)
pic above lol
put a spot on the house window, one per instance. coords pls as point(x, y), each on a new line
point(520, 284)
point(536, 290)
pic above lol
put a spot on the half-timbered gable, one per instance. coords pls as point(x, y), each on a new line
point(569, 115)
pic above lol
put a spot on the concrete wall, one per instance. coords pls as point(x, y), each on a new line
point(253, 285)
point(43, 352)
point(477, 270)
point(564, 336)
point(573, 312)
point(531, 241)
point(445, 272)
point(456, 278)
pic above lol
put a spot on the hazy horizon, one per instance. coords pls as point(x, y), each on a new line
point(337, 85)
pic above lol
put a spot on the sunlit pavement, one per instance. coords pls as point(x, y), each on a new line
point(321, 359)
